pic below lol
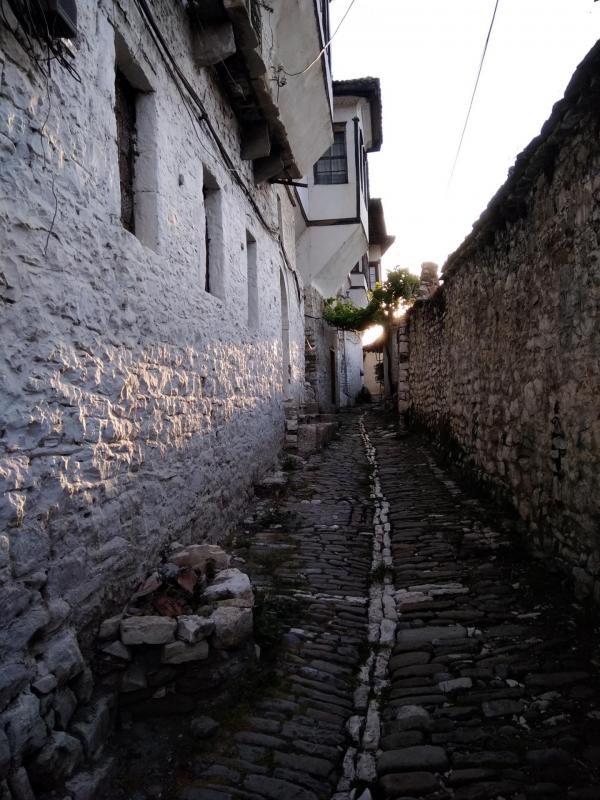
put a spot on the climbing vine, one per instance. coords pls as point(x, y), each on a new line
point(400, 285)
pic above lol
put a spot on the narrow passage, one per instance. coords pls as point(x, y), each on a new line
point(411, 648)
point(284, 734)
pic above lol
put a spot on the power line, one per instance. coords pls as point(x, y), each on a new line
point(485, 47)
point(323, 50)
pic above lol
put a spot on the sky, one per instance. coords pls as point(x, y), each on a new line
point(426, 53)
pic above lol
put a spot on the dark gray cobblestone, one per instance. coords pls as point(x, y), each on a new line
point(283, 736)
point(495, 689)
point(491, 690)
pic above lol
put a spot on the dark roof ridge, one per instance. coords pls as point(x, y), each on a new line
point(370, 89)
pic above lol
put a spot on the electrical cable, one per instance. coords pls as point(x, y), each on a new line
point(485, 47)
point(323, 50)
point(33, 28)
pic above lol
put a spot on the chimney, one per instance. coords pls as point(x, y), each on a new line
point(429, 280)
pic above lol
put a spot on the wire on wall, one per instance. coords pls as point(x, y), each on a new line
point(323, 49)
point(34, 35)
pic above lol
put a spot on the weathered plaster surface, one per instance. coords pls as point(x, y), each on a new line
point(504, 362)
point(136, 408)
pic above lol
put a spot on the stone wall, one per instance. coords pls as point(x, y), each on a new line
point(504, 362)
point(136, 408)
point(321, 338)
point(327, 351)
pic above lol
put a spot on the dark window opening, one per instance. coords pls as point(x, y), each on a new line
point(364, 173)
point(125, 108)
point(252, 278)
point(205, 196)
point(332, 167)
point(213, 234)
point(373, 274)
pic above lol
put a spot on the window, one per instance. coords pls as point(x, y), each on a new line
point(252, 277)
point(373, 274)
point(125, 111)
point(332, 167)
point(364, 169)
point(137, 147)
point(213, 234)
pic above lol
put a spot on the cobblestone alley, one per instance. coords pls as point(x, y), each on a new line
point(410, 648)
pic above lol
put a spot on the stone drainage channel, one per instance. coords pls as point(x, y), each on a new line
point(364, 727)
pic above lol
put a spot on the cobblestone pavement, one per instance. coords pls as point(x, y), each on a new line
point(494, 688)
point(416, 650)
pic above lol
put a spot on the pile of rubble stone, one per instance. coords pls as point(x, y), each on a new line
point(186, 630)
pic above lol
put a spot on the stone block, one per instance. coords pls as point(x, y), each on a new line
point(213, 43)
point(92, 725)
point(408, 784)
point(180, 652)
point(199, 556)
point(23, 628)
point(4, 755)
point(117, 650)
point(14, 676)
point(272, 484)
point(55, 761)
point(83, 685)
point(233, 626)
point(418, 636)
point(88, 785)
point(419, 757)
point(65, 704)
point(231, 587)
point(45, 684)
point(23, 725)
point(412, 718)
point(192, 628)
point(134, 678)
point(63, 657)
point(109, 628)
point(148, 630)
point(203, 727)
point(20, 786)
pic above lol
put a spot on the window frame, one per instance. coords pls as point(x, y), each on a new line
point(339, 131)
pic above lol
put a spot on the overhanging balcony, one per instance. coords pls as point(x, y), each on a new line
point(260, 52)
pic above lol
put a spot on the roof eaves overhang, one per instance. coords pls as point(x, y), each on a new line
point(378, 234)
point(370, 90)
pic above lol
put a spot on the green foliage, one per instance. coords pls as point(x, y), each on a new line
point(400, 285)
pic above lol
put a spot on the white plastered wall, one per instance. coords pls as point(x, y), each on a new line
point(136, 408)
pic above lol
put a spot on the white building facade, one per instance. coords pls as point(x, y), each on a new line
point(332, 229)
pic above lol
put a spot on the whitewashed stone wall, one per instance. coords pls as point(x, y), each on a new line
point(135, 408)
point(321, 340)
point(351, 367)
